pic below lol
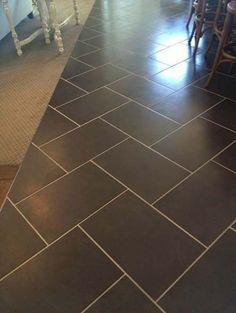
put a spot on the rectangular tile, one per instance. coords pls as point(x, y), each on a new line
point(228, 158)
point(18, 241)
point(92, 105)
point(142, 242)
point(65, 203)
point(66, 277)
point(74, 67)
point(147, 173)
point(204, 204)
point(210, 284)
point(195, 143)
point(99, 77)
point(83, 144)
point(36, 172)
point(140, 122)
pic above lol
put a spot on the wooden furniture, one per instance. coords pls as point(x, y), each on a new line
point(191, 13)
point(226, 52)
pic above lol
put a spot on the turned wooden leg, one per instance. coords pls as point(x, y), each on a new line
point(12, 27)
point(76, 9)
point(43, 21)
point(55, 26)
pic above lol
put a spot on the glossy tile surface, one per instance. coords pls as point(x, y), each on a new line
point(215, 271)
point(124, 160)
point(195, 143)
point(75, 67)
point(14, 229)
point(141, 240)
point(37, 171)
point(74, 264)
point(68, 201)
point(206, 198)
point(83, 144)
point(228, 158)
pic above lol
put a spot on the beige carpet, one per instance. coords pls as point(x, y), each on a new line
point(27, 82)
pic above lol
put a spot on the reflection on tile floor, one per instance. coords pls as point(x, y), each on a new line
point(126, 199)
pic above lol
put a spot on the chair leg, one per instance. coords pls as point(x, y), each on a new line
point(55, 26)
point(198, 34)
point(12, 28)
point(192, 33)
point(43, 21)
point(76, 9)
point(190, 16)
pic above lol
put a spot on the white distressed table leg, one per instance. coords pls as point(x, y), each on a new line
point(43, 21)
point(76, 9)
point(12, 27)
point(55, 26)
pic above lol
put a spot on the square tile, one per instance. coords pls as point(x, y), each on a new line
point(140, 65)
point(99, 77)
point(141, 90)
point(83, 144)
point(82, 48)
point(123, 297)
point(195, 143)
point(65, 92)
point(209, 286)
point(68, 201)
point(142, 241)
point(36, 172)
point(223, 114)
point(88, 33)
point(52, 125)
point(140, 122)
point(74, 67)
point(228, 158)
point(66, 277)
point(184, 105)
point(221, 84)
point(92, 105)
point(139, 168)
point(181, 75)
point(206, 198)
point(174, 54)
point(18, 241)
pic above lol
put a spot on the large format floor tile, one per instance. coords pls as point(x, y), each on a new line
point(195, 143)
point(82, 48)
point(66, 277)
point(52, 125)
point(209, 286)
point(139, 169)
point(123, 297)
point(37, 170)
point(92, 105)
point(140, 122)
point(83, 144)
point(142, 242)
point(206, 198)
point(65, 92)
point(186, 104)
point(223, 114)
point(141, 90)
point(75, 67)
point(65, 203)
point(99, 77)
point(228, 158)
point(18, 241)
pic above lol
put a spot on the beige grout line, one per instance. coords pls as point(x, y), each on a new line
point(67, 117)
point(62, 135)
point(113, 261)
point(149, 204)
point(143, 144)
point(188, 122)
point(83, 63)
point(70, 172)
point(28, 222)
point(225, 167)
point(231, 130)
point(195, 171)
point(103, 293)
point(144, 106)
point(50, 158)
point(214, 93)
point(69, 82)
point(200, 256)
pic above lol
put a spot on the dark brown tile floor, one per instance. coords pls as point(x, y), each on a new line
point(125, 201)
